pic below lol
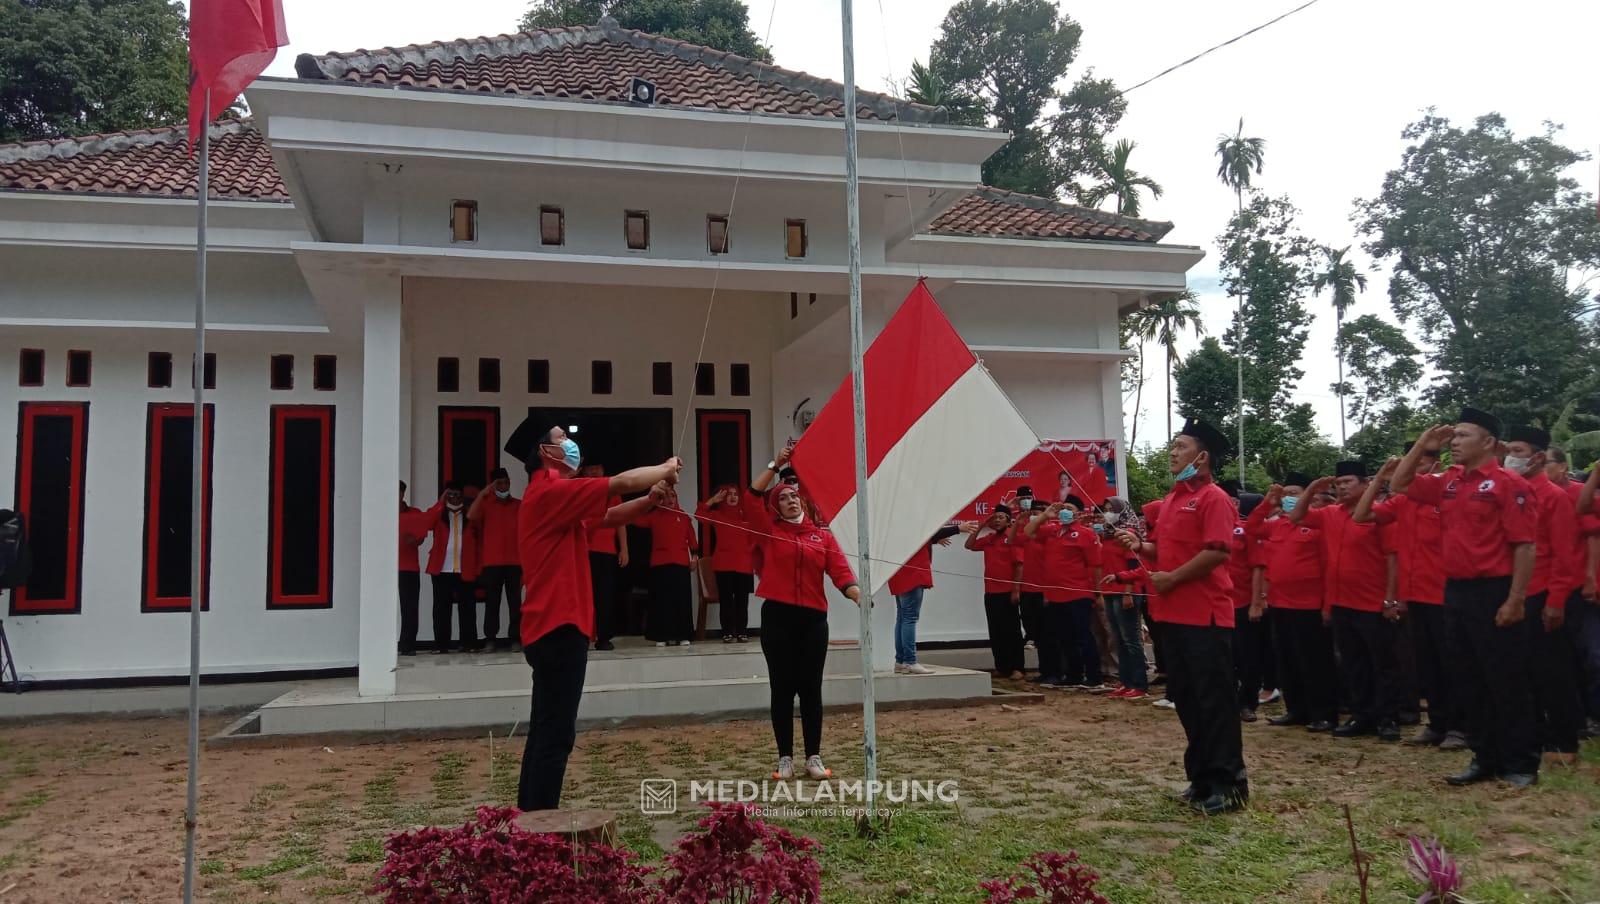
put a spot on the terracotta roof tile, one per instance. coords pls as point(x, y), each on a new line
point(999, 213)
point(145, 162)
point(596, 63)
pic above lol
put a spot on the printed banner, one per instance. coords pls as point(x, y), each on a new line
point(1090, 468)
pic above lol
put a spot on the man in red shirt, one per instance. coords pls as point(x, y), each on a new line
point(907, 586)
point(1557, 572)
point(1194, 613)
point(1587, 627)
point(558, 604)
point(1067, 649)
point(1001, 592)
point(1030, 574)
point(1251, 646)
point(1358, 573)
point(1292, 599)
point(451, 563)
point(494, 514)
point(1488, 556)
point(608, 555)
point(413, 528)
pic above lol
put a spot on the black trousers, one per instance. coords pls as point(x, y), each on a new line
point(559, 660)
point(1438, 678)
point(1497, 687)
point(1157, 662)
point(1370, 664)
point(1555, 681)
point(1031, 611)
point(450, 592)
point(603, 575)
point(1306, 671)
point(410, 594)
point(733, 602)
point(1407, 684)
point(794, 640)
point(1252, 648)
point(1005, 632)
point(1069, 627)
point(1200, 681)
point(669, 618)
point(495, 580)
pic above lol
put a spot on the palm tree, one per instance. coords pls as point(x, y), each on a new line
point(1237, 156)
point(1122, 182)
point(1162, 323)
point(1345, 280)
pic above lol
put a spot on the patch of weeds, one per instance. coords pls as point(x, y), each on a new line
point(380, 794)
point(364, 850)
point(213, 867)
point(507, 772)
point(265, 797)
point(283, 863)
point(449, 779)
point(23, 807)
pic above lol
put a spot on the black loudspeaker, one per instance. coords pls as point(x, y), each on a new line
point(641, 92)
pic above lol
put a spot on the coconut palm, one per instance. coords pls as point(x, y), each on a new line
point(1162, 323)
point(1122, 182)
point(1237, 158)
point(1345, 281)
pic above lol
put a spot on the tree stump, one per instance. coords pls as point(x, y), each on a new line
point(581, 827)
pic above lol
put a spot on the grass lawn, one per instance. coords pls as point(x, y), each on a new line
point(92, 810)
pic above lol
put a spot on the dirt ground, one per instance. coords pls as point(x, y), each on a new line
point(92, 810)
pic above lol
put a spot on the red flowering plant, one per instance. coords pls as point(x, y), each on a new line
point(491, 860)
point(738, 859)
point(1057, 879)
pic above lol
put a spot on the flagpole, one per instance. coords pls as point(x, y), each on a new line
point(852, 181)
point(197, 500)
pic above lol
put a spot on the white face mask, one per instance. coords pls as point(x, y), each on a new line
point(1110, 517)
point(502, 494)
point(1519, 465)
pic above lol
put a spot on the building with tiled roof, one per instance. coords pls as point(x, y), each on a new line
point(413, 248)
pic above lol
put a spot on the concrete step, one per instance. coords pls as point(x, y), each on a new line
point(337, 707)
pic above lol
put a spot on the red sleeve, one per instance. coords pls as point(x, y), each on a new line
point(983, 541)
point(837, 566)
point(1388, 511)
point(755, 510)
point(1255, 526)
point(1217, 518)
point(1566, 572)
point(1427, 488)
point(1516, 513)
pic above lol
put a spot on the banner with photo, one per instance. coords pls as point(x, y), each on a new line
point(1054, 470)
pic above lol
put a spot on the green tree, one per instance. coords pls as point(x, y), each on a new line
point(1384, 368)
point(1238, 157)
point(1121, 181)
point(1205, 380)
point(1010, 55)
point(1344, 281)
point(1162, 323)
point(1487, 235)
point(926, 87)
point(72, 67)
point(721, 24)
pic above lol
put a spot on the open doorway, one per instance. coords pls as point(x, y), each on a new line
point(619, 439)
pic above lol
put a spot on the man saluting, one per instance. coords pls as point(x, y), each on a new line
point(1193, 612)
point(558, 606)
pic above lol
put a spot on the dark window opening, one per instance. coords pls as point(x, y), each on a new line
point(636, 229)
point(705, 379)
point(52, 442)
point(538, 375)
point(281, 371)
point(717, 234)
point(739, 379)
point(300, 532)
point(723, 451)
point(158, 370)
point(794, 238)
point(600, 378)
point(469, 445)
point(324, 372)
point(78, 366)
point(661, 378)
point(488, 374)
point(794, 305)
point(169, 497)
point(30, 367)
point(210, 371)
point(552, 226)
point(449, 375)
point(464, 221)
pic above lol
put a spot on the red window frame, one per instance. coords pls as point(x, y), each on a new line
point(159, 413)
point(276, 597)
point(71, 601)
point(449, 415)
point(704, 418)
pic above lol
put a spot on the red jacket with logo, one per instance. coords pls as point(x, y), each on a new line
point(794, 556)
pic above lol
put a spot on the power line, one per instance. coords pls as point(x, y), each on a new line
point(1231, 40)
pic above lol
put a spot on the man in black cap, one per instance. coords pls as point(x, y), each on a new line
point(1193, 610)
point(558, 608)
point(1488, 557)
point(1031, 576)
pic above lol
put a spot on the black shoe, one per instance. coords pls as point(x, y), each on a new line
point(1247, 714)
point(1217, 804)
point(1472, 775)
point(1188, 794)
point(1520, 779)
point(1320, 725)
point(408, 652)
point(605, 645)
point(441, 650)
point(1388, 731)
point(1355, 728)
point(1286, 719)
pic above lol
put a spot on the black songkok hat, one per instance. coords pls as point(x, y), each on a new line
point(1483, 419)
point(1210, 438)
point(526, 439)
point(1296, 479)
point(1351, 468)
point(1533, 436)
point(1230, 486)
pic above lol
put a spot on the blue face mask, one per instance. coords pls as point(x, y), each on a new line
point(1289, 502)
point(1066, 516)
point(1189, 470)
point(1099, 528)
point(570, 453)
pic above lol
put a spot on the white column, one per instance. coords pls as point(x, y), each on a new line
point(380, 474)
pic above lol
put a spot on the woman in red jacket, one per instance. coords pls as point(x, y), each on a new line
point(795, 554)
point(673, 549)
point(730, 543)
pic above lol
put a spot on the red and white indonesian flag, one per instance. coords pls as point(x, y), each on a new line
point(939, 431)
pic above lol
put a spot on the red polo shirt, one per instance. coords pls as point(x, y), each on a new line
point(497, 523)
point(603, 539)
point(1293, 557)
point(1357, 565)
point(553, 548)
point(1195, 517)
point(413, 528)
point(1488, 510)
point(1034, 576)
point(1588, 526)
point(1071, 558)
point(732, 541)
point(1000, 559)
point(1557, 569)
point(1244, 554)
point(672, 536)
point(1415, 535)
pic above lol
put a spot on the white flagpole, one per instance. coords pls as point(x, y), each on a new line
point(197, 516)
point(869, 716)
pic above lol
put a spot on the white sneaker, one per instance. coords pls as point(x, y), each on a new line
point(815, 769)
point(1272, 696)
point(683, 643)
point(901, 668)
point(661, 643)
point(785, 770)
point(917, 668)
point(1164, 703)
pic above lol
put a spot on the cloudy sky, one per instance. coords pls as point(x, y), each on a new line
point(1329, 88)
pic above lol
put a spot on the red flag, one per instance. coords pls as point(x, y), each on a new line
point(230, 43)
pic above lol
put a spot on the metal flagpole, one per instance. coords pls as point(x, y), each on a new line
point(196, 523)
point(852, 181)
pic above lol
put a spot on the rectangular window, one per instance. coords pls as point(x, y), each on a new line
point(469, 444)
point(538, 375)
point(488, 374)
point(78, 365)
point(661, 378)
point(281, 372)
point(636, 229)
point(600, 378)
point(30, 367)
point(705, 379)
point(717, 233)
point(300, 508)
point(158, 370)
point(168, 500)
point(794, 238)
point(552, 226)
point(52, 446)
point(463, 221)
point(739, 379)
point(324, 372)
point(449, 379)
point(211, 370)
point(794, 305)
